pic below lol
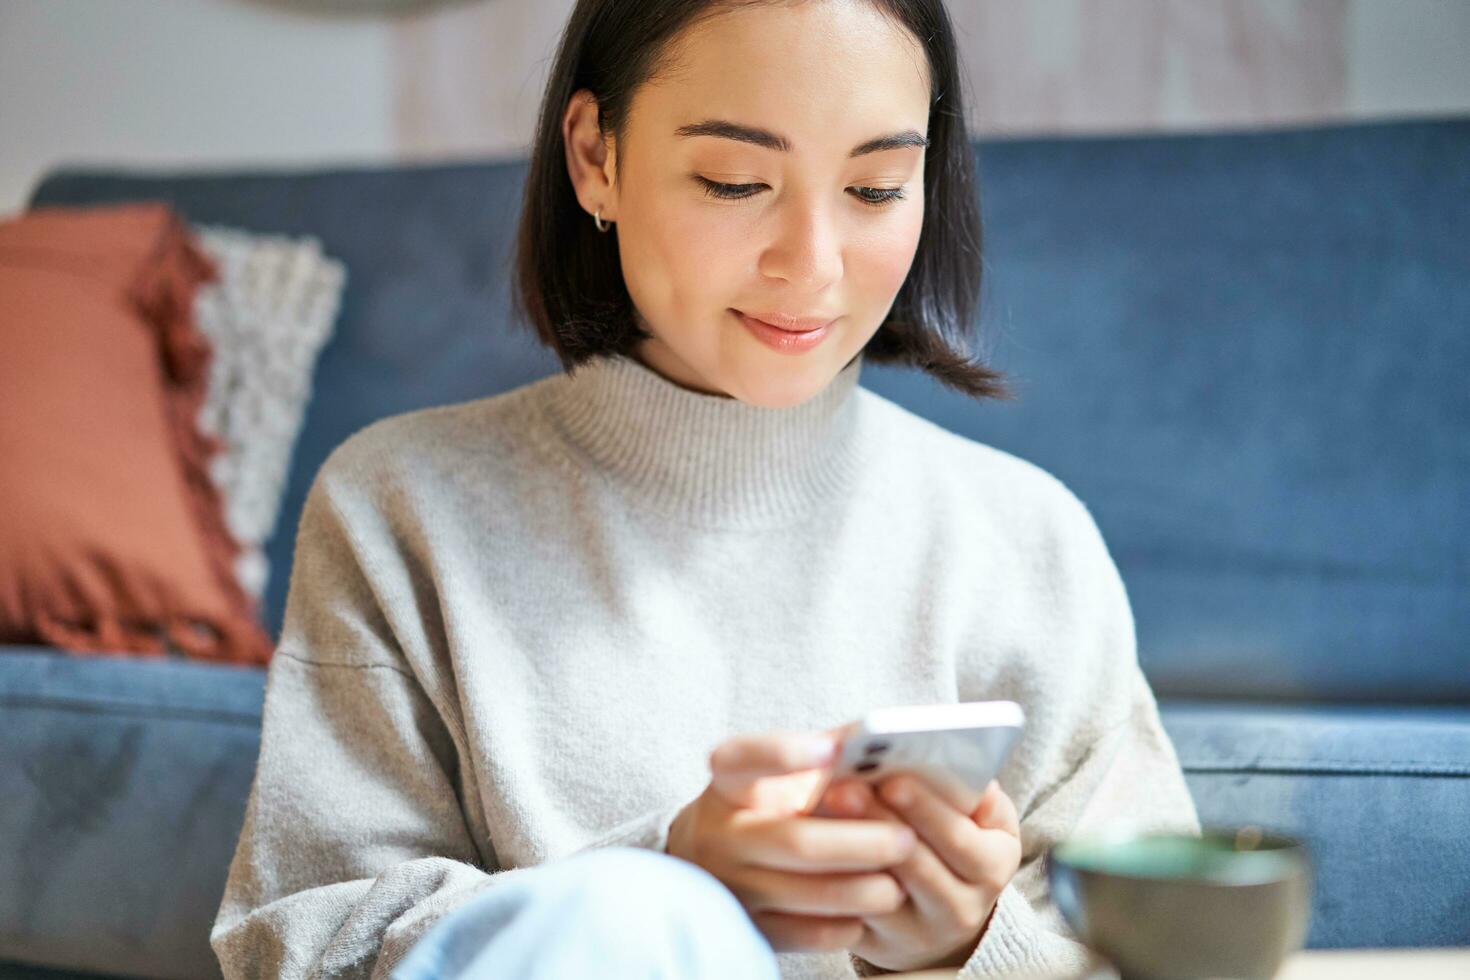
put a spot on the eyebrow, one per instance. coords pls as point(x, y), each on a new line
point(772, 141)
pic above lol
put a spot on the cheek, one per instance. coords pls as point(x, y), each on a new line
point(879, 264)
point(678, 262)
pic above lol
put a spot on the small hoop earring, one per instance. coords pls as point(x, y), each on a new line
point(597, 220)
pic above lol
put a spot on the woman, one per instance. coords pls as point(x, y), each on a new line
point(554, 661)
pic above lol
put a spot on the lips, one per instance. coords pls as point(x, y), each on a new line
point(790, 322)
point(782, 340)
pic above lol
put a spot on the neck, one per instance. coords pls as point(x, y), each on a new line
point(706, 459)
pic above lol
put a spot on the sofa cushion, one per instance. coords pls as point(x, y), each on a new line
point(1245, 350)
point(24, 971)
point(1380, 793)
point(124, 785)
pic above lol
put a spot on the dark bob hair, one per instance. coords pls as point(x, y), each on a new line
point(569, 282)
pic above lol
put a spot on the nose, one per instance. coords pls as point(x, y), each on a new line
point(807, 250)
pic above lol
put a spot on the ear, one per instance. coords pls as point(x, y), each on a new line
point(591, 159)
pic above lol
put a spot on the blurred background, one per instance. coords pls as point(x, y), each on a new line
point(1227, 268)
point(239, 82)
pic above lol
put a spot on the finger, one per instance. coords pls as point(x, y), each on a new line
point(854, 893)
point(936, 896)
point(997, 811)
point(862, 800)
point(939, 897)
point(845, 798)
point(787, 932)
point(740, 762)
point(933, 895)
point(796, 843)
point(772, 753)
point(815, 802)
point(952, 834)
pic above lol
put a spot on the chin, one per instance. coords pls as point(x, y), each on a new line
point(782, 392)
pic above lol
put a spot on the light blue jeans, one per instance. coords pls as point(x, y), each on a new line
point(606, 912)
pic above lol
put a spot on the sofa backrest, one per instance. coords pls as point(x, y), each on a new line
point(1246, 351)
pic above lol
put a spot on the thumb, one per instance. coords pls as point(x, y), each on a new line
point(745, 769)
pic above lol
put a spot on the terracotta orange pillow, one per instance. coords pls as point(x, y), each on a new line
point(113, 538)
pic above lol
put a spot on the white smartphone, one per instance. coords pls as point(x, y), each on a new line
point(956, 748)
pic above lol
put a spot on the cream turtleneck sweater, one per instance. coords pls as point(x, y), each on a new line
point(517, 626)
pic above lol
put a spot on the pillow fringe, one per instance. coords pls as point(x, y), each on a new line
point(164, 292)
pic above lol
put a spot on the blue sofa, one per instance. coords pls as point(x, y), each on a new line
point(1248, 351)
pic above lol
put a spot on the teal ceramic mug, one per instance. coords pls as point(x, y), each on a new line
point(1232, 902)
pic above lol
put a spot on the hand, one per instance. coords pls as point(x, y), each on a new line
point(953, 878)
point(807, 882)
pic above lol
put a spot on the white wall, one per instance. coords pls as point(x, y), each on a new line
point(1409, 55)
point(217, 83)
point(189, 82)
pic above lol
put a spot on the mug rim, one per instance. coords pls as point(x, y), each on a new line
point(1274, 857)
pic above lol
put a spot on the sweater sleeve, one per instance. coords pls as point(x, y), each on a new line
point(1106, 761)
point(355, 840)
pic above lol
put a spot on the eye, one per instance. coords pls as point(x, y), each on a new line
point(875, 196)
point(878, 196)
point(732, 192)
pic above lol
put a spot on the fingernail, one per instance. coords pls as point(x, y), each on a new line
point(816, 750)
point(906, 838)
point(901, 794)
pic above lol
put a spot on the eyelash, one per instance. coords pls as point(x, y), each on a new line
point(729, 192)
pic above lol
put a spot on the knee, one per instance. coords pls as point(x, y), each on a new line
point(675, 910)
point(616, 910)
point(637, 890)
point(631, 878)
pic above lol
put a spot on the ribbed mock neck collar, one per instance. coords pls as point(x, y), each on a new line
point(704, 459)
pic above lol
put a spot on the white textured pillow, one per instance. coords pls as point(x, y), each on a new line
point(267, 316)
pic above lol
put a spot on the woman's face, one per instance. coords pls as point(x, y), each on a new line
point(823, 80)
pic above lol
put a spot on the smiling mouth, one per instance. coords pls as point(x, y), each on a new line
point(791, 324)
